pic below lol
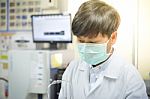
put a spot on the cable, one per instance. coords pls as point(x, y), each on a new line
point(6, 86)
point(53, 83)
point(1, 78)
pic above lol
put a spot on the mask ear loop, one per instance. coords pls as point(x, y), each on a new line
point(111, 50)
point(111, 37)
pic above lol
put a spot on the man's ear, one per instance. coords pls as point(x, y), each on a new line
point(113, 38)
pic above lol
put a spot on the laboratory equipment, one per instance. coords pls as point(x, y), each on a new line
point(22, 41)
point(52, 28)
point(29, 73)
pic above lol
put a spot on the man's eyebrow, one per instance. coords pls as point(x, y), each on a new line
point(81, 39)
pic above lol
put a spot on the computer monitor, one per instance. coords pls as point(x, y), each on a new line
point(52, 28)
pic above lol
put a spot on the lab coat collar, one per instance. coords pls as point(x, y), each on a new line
point(112, 65)
point(83, 66)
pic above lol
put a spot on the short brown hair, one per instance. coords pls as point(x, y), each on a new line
point(94, 17)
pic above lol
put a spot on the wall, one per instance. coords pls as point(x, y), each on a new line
point(143, 39)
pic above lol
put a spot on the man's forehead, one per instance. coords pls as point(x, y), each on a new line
point(98, 38)
point(92, 37)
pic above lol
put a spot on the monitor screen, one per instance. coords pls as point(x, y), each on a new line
point(52, 28)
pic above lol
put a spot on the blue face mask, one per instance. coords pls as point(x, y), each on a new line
point(93, 53)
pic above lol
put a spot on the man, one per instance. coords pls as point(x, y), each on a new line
point(100, 73)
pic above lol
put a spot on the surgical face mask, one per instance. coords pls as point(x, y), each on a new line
point(93, 53)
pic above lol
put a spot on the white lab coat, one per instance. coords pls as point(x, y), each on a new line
point(121, 81)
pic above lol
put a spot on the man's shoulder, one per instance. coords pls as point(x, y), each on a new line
point(121, 62)
point(74, 64)
point(127, 68)
point(72, 68)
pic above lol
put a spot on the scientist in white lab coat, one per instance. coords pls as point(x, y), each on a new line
point(99, 73)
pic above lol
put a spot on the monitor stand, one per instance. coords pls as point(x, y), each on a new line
point(53, 46)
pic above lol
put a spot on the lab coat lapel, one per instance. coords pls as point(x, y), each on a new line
point(84, 69)
point(97, 84)
point(86, 86)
